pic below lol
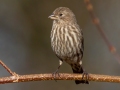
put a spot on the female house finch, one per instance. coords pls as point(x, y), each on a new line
point(67, 40)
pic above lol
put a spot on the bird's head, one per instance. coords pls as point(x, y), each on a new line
point(63, 15)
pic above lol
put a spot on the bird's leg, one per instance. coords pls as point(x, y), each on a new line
point(85, 74)
point(56, 72)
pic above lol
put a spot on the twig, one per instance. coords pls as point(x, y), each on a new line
point(63, 76)
point(98, 25)
point(14, 75)
point(8, 69)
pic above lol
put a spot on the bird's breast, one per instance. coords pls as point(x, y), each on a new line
point(65, 43)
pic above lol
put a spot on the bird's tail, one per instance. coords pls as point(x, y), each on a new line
point(78, 69)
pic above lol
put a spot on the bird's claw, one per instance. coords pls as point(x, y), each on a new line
point(86, 75)
point(54, 74)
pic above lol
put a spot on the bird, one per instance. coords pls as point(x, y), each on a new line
point(67, 41)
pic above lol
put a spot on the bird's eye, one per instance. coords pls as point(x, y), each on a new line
point(60, 14)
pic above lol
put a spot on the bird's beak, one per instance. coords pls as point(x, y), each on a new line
point(52, 17)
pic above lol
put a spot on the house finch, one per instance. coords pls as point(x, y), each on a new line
point(67, 40)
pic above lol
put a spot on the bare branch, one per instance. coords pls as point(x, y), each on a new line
point(95, 20)
point(15, 78)
point(63, 76)
point(8, 69)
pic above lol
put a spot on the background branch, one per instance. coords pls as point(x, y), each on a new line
point(95, 20)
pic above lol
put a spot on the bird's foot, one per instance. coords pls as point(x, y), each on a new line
point(54, 74)
point(86, 75)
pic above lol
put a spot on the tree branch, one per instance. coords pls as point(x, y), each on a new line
point(8, 69)
point(15, 78)
point(96, 21)
point(63, 76)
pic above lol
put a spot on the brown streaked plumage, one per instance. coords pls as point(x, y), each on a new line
point(67, 40)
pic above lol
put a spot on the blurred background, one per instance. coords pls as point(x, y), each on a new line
point(25, 42)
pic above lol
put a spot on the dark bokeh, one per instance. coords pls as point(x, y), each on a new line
point(25, 42)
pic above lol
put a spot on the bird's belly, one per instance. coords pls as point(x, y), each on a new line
point(63, 50)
